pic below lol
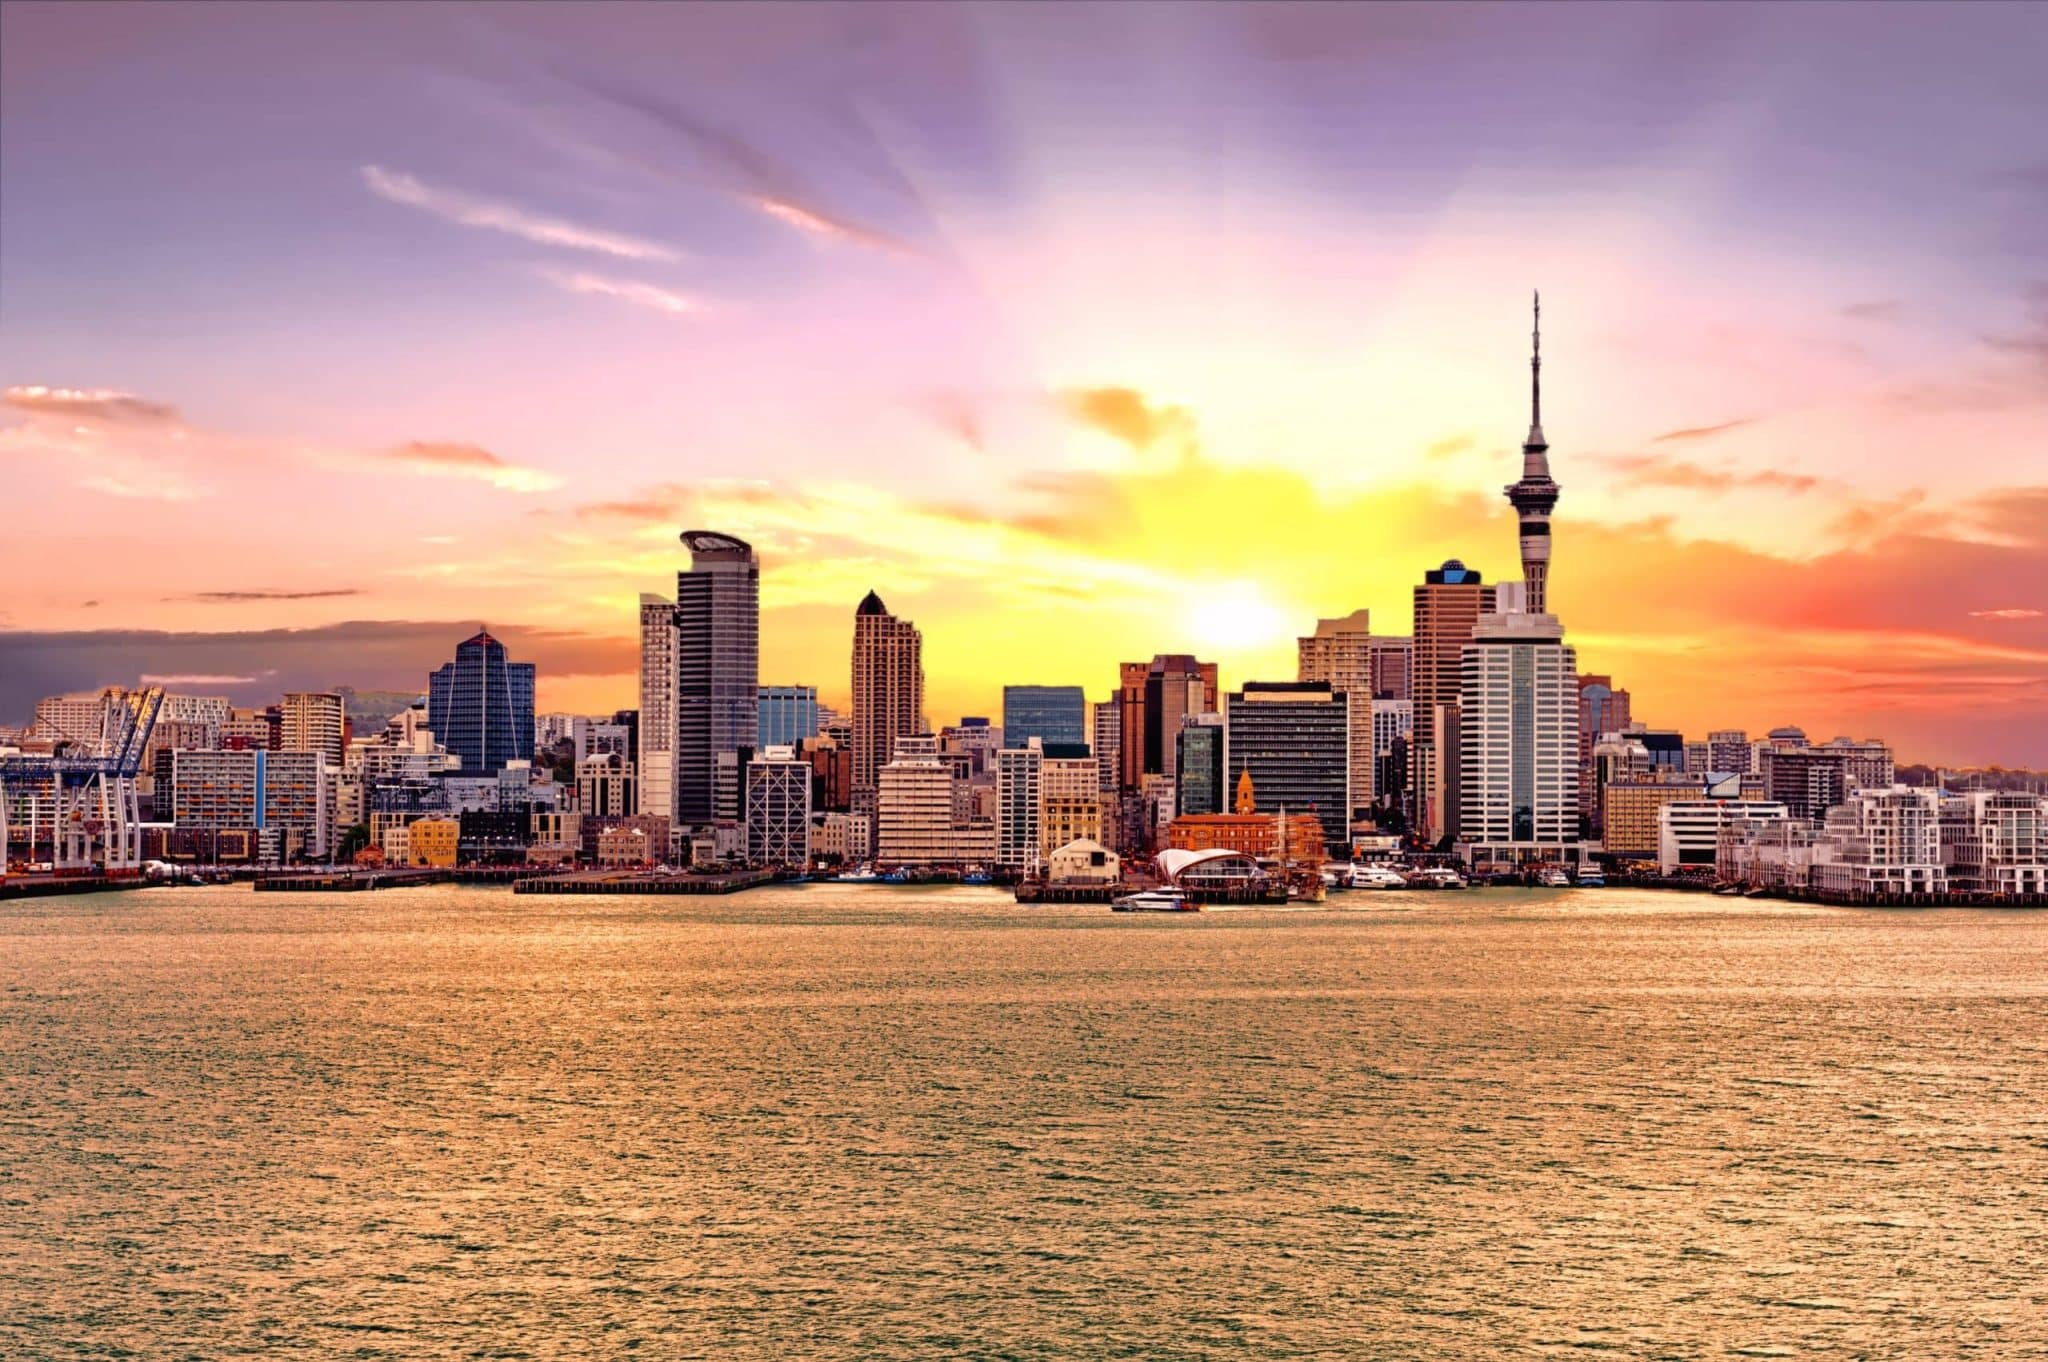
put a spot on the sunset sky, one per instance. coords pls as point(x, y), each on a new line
point(1079, 334)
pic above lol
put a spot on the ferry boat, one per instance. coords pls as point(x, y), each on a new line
point(860, 875)
point(1154, 901)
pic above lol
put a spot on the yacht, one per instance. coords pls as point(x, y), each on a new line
point(859, 875)
point(1154, 901)
point(1554, 878)
point(1436, 877)
point(1592, 879)
point(1376, 877)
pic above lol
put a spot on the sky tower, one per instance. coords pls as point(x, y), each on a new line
point(1535, 494)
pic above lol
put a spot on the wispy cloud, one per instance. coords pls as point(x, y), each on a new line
point(1875, 310)
point(2011, 612)
point(495, 215)
point(264, 594)
point(1127, 415)
point(1658, 470)
point(745, 170)
point(1703, 432)
point(452, 460)
point(92, 405)
point(626, 290)
point(195, 679)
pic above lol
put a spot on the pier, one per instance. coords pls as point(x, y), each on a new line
point(643, 884)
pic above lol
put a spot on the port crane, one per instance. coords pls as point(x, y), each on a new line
point(96, 813)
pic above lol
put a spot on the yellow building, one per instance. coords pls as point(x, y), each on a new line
point(1629, 812)
point(433, 841)
point(1069, 803)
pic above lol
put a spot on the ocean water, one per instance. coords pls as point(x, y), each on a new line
point(866, 1122)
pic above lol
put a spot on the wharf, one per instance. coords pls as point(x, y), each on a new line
point(643, 884)
point(45, 886)
point(1037, 891)
point(345, 881)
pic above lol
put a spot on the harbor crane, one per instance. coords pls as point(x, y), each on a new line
point(96, 815)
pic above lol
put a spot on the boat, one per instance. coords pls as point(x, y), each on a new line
point(1592, 879)
point(896, 876)
point(859, 875)
point(1154, 901)
point(1554, 878)
point(1728, 890)
point(1436, 877)
point(975, 877)
point(1376, 877)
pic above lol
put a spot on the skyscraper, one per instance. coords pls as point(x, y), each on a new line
point(657, 764)
point(1198, 782)
point(1603, 708)
point(480, 706)
point(1152, 699)
point(1447, 604)
point(1294, 740)
point(888, 692)
point(1518, 726)
point(718, 649)
point(1057, 714)
point(1340, 654)
point(1535, 494)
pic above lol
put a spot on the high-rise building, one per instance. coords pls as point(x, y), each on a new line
point(718, 651)
point(788, 715)
point(1535, 494)
point(1603, 708)
point(1152, 699)
point(1393, 730)
point(1069, 801)
point(1393, 665)
point(778, 808)
point(888, 692)
point(1729, 750)
point(480, 706)
point(1057, 714)
point(1293, 739)
point(1518, 728)
point(1018, 774)
point(286, 798)
point(311, 722)
point(1447, 604)
point(1811, 780)
point(1199, 780)
point(974, 740)
point(916, 819)
point(657, 764)
point(604, 785)
point(1340, 655)
point(1106, 724)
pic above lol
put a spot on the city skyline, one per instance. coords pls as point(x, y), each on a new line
point(997, 374)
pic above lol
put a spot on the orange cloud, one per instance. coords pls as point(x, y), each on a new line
point(451, 459)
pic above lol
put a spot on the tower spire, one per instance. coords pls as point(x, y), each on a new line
point(1535, 494)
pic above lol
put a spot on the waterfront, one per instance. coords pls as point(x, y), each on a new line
point(854, 1121)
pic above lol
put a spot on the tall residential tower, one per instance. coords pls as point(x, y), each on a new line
point(888, 692)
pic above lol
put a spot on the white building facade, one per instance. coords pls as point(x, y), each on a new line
point(1518, 742)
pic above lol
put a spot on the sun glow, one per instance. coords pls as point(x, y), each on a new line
point(1235, 615)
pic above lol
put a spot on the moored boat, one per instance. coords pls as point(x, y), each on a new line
point(1155, 901)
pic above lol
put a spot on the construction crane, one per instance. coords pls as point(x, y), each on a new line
point(97, 817)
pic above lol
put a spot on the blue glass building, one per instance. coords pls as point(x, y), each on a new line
point(788, 714)
point(1056, 715)
point(480, 706)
